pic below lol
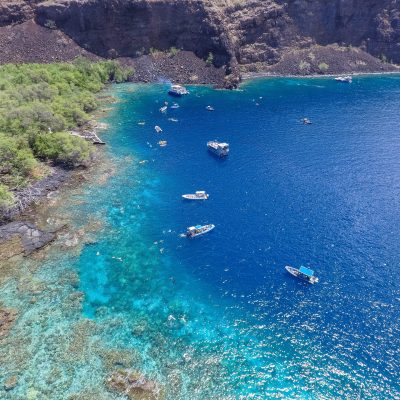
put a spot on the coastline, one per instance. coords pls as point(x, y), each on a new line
point(256, 75)
point(39, 190)
point(91, 352)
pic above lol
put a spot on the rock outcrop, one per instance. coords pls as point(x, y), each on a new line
point(8, 316)
point(22, 238)
point(133, 385)
point(237, 33)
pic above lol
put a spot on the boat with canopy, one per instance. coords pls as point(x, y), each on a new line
point(303, 273)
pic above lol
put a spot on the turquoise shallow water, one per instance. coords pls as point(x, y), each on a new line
point(218, 317)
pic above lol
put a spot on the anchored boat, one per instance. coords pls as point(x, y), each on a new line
point(303, 273)
point(210, 108)
point(177, 91)
point(198, 230)
point(218, 148)
point(199, 195)
point(157, 129)
point(344, 79)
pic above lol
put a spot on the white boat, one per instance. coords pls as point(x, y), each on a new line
point(219, 148)
point(344, 79)
point(210, 108)
point(177, 91)
point(164, 109)
point(162, 143)
point(303, 273)
point(199, 195)
point(175, 106)
point(306, 121)
point(198, 230)
point(157, 129)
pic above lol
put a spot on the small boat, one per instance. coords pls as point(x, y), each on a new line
point(303, 273)
point(175, 106)
point(164, 109)
point(162, 143)
point(198, 230)
point(157, 129)
point(199, 195)
point(210, 108)
point(344, 79)
point(172, 119)
point(177, 91)
point(218, 148)
point(141, 123)
point(306, 121)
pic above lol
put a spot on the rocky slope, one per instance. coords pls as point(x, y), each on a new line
point(253, 35)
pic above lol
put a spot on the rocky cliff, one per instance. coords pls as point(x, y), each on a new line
point(311, 35)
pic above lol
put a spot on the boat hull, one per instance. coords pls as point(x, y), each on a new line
point(174, 94)
point(217, 152)
point(295, 272)
point(208, 229)
point(193, 197)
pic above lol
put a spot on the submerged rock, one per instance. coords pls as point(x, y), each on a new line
point(21, 237)
point(134, 385)
point(11, 382)
point(7, 318)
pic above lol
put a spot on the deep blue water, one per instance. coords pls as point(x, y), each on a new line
point(325, 195)
point(218, 317)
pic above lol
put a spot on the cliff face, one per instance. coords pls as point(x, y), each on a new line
point(245, 32)
point(373, 25)
point(129, 28)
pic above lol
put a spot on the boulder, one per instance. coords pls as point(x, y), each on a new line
point(134, 385)
point(10, 383)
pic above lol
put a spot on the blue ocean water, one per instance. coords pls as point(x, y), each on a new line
point(218, 317)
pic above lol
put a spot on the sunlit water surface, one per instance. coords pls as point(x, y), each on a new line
point(218, 317)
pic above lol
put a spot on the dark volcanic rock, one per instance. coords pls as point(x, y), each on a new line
point(128, 28)
point(14, 11)
point(22, 238)
point(250, 33)
point(35, 192)
point(29, 42)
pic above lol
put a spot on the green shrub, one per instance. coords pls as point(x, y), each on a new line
point(304, 66)
point(6, 197)
point(17, 163)
point(173, 51)
point(210, 59)
point(37, 104)
point(323, 67)
point(62, 148)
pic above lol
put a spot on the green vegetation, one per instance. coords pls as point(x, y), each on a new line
point(304, 66)
point(173, 51)
point(38, 103)
point(6, 198)
point(323, 67)
point(383, 58)
point(210, 59)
